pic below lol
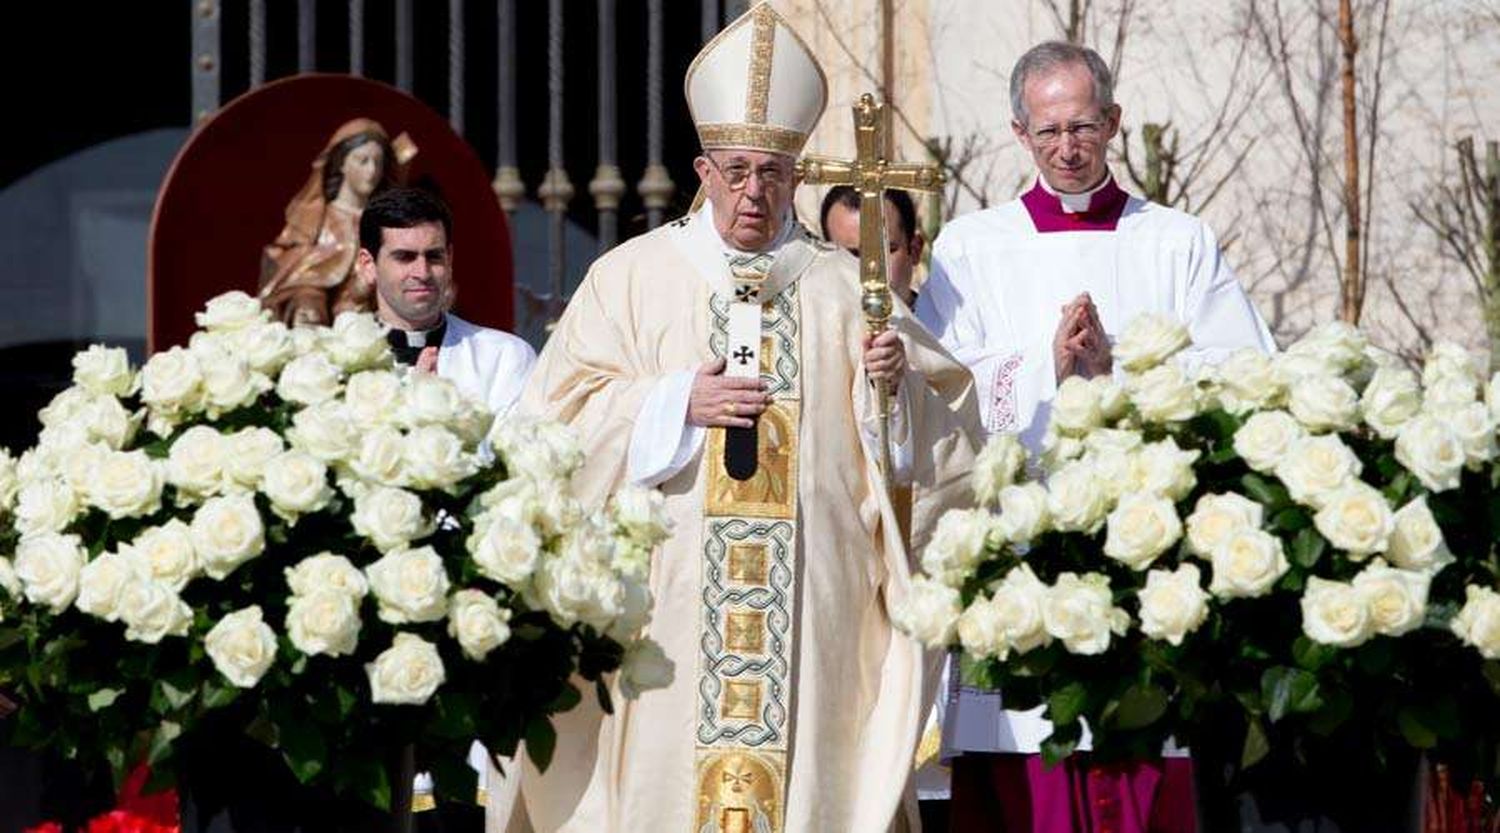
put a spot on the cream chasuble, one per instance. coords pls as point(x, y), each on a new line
point(795, 706)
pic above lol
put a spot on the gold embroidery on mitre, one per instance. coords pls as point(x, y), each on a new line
point(739, 792)
point(745, 631)
point(757, 136)
point(747, 564)
point(772, 491)
point(741, 699)
point(762, 48)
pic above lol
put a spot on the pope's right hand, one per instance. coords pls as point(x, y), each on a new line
point(720, 401)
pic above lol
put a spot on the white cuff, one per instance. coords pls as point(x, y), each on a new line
point(663, 443)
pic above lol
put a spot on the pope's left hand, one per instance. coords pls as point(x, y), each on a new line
point(885, 358)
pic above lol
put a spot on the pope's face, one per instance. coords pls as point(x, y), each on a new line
point(1066, 130)
point(363, 168)
point(413, 285)
point(750, 192)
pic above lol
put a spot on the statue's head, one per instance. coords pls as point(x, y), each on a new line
point(362, 161)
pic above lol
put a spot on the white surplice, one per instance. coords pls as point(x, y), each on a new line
point(995, 299)
point(489, 364)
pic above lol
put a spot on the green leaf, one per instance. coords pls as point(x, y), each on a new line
point(104, 698)
point(978, 673)
point(541, 742)
point(453, 779)
point(601, 691)
point(1307, 548)
point(1288, 691)
point(1140, 706)
point(1256, 746)
point(161, 742)
point(304, 749)
point(1312, 655)
point(1265, 491)
point(367, 775)
point(176, 697)
point(567, 697)
point(1415, 729)
point(1061, 743)
point(1065, 705)
point(1291, 519)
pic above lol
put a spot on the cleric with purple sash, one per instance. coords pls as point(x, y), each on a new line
point(1029, 293)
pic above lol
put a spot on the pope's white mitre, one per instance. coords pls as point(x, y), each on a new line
point(756, 86)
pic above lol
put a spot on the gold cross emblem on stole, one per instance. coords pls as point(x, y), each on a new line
point(872, 174)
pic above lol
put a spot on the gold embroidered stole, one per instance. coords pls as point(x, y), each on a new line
point(749, 567)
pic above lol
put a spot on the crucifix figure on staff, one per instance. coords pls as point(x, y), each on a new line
point(871, 174)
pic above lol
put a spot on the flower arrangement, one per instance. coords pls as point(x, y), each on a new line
point(1294, 552)
point(278, 532)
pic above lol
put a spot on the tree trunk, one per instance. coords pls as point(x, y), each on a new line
point(1353, 286)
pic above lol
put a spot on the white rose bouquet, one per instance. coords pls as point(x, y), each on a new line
point(283, 534)
point(1294, 553)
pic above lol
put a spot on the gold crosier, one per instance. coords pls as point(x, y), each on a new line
point(872, 175)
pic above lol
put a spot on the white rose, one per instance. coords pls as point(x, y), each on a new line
point(1058, 451)
point(1173, 604)
point(373, 398)
point(242, 646)
point(1324, 403)
point(1079, 612)
point(126, 484)
point(506, 551)
point(1113, 439)
point(356, 341)
point(998, 465)
point(246, 453)
point(411, 585)
point(1018, 604)
point(579, 585)
point(228, 380)
point(151, 611)
point(309, 379)
point(1290, 368)
point(1247, 564)
point(1218, 515)
point(45, 505)
point(537, 449)
point(324, 431)
point(227, 531)
point(478, 623)
point(1478, 623)
point(381, 458)
point(1076, 499)
point(435, 458)
point(1396, 599)
point(1492, 396)
point(1337, 344)
point(48, 565)
point(1150, 339)
point(1141, 527)
point(1114, 469)
point(9, 482)
point(79, 465)
point(1112, 398)
point(326, 571)
point(171, 381)
point(324, 621)
point(1417, 541)
point(166, 554)
point(104, 370)
point(266, 347)
point(1475, 431)
point(1356, 519)
point(196, 461)
point(1023, 513)
point(1163, 394)
point(981, 630)
point(641, 514)
point(929, 613)
point(407, 673)
point(1075, 407)
point(1334, 613)
point(1448, 392)
point(1392, 397)
point(957, 545)
point(1164, 469)
point(108, 421)
point(1448, 359)
point(1314, 467)
point(390, 518)
point(1429, 449)
point(231, 311)
point(1247, 382)
point(430, 399)
point(646, 667)
point(101, 581)
point(296, 483)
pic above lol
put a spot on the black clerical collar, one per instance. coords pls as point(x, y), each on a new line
point(408, 344)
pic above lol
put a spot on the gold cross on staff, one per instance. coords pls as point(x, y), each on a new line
point(872, 174)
